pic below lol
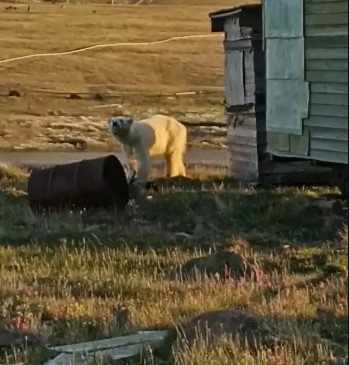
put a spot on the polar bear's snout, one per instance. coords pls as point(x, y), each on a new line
point(112, 125)
point(118, 126)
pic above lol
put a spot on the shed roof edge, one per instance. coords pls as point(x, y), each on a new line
point(218, 16)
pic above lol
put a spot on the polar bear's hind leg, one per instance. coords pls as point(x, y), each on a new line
point(182, 171)
point(172, 165)
point(175, 151)
point(175, 164)
point(182, 166)
point(168, 159)
point(181, 153)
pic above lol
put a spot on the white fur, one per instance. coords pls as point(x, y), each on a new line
point(157, 135)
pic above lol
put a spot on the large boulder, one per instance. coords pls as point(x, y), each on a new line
point(239, 326)
point(14, 337)
point(223, 265)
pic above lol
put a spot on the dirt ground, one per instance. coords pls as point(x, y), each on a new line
point(65, 97)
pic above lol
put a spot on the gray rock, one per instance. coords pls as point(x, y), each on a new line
point(239, 326)
point(224, 265)
point(9, 338)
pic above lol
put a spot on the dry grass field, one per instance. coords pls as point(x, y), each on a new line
point(126, 79)
point(73, 270)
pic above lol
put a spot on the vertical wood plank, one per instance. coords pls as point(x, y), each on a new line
point(232, 28)
point(234, 78)
point(249, 74)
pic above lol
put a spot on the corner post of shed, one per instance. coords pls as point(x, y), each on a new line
point(244, 81)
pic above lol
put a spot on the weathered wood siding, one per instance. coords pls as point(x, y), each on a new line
point(326, 65)
point(245, 94)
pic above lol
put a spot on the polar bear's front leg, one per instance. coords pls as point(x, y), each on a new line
point(144, 163)
point(132, 163)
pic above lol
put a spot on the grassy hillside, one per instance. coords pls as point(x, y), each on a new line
point(129, 78)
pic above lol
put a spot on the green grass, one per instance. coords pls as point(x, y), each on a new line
point(77, 268)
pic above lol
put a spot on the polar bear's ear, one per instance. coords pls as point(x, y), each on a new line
point(130, 121)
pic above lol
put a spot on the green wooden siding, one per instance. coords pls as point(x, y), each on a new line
point(326, 69)
point(287, 93)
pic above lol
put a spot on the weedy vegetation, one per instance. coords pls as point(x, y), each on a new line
point(68, 274)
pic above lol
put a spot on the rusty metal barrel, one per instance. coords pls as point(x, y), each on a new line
point(94, 183)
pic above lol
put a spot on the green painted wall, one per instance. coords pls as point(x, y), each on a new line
point(326, 70)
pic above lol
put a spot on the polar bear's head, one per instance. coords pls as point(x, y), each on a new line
point(120, 126)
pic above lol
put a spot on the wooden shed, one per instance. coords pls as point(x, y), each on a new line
point(286, 88)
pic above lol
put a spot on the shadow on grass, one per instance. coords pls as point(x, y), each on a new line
point(265, 218)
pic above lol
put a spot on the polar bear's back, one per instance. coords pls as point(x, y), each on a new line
point(161, 134)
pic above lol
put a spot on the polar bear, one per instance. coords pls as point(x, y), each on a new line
point(154, 136)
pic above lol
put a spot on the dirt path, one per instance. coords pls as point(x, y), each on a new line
point(211, 157)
